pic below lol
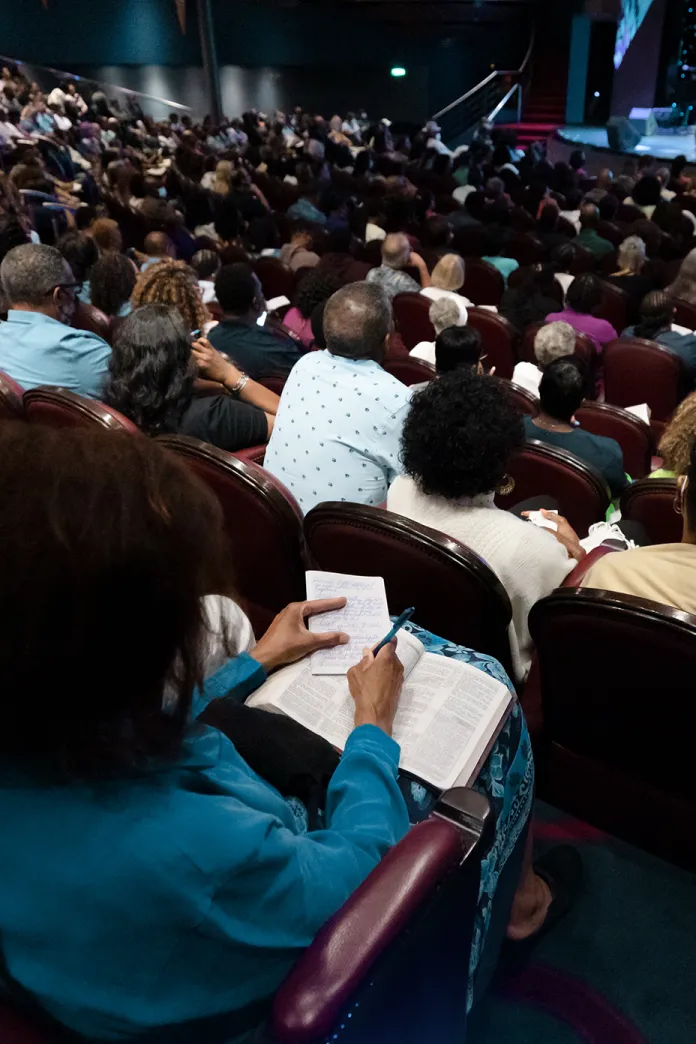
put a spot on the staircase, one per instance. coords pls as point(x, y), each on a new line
point(543, 109)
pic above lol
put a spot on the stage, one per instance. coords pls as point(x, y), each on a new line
point(661, 146)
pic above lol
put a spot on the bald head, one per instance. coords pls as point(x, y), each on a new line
point(158, 244)
point(357, 322)
point(396, 250)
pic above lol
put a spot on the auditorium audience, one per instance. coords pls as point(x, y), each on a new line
point(588, 237)
point(562, 259)
point(446, 281)
point(206, 264)
point(390, 277)
point(81, 253)
point(677, 439)
point(313, 289)
point(655, 324)
point(631, 275)
point(158, 247)
point(561, 392)
point(258, 350)
point(37, 344)
point(151, 380)
point(113, 279)
point(106, 233)
point(493, 249)
point(664, 573)
point(338, 427)
point(584, 296)
point(443, 313)
point(458, 348)
point(173, 283)
point(531, 300)
point(307, 206)
point(553, 341)
point(647, 194)
point(684, 286)
point(297, 254)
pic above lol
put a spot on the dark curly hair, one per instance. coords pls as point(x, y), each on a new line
point(315, 288)
point(111, 282)
point(151, 374)
point(585, 293)
point(80, 251)
point(459, 435)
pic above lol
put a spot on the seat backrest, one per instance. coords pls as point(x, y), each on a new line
point(11, 393)
point(87, 317)
point(523, 400)
point(499, 339)
point(58, 408)
point(412, 317)
point(616, 678)
point(275, 382)
point(410, 371)
point(263, 525)
point(685, 314)
point(583, 261)
point(395, 928)
point(470, 241)
point(611, 232)
point(483, 284)
point(417, 564)
point(651, 502)
point(627, 214)
point(638, 371)
point(632, 434)
point(524, 247)
point(614, 307)
point(276, 279)
point(538, 469)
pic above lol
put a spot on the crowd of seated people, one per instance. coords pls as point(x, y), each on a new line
point(169, 230)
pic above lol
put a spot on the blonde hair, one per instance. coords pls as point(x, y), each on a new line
point(448, 273)
point(678, 437)
point(553, 341)
point(223, 178)
point(632, 254)
point(444, 312)
point(172, 283)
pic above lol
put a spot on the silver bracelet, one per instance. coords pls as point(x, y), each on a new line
point(240, 385)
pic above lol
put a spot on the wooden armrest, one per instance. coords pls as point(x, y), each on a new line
point(581, 570)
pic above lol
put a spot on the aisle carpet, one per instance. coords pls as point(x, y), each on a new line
point(620, 970)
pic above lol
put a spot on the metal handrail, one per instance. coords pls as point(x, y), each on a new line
point(501, 104)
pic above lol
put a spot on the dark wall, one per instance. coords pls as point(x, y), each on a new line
point(636, 79)
point(107, 33)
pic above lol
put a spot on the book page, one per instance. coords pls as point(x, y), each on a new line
point(365, 617)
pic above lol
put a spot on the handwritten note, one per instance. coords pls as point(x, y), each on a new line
point(365, 617)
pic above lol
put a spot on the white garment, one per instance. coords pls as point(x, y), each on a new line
point(528, 376)
point(208, 179)
point(207, 287)
point(529, 562)
point(565, 279)
point(374, 232)
point(462, 191)
point(57, 97)
point(438, 146)
point(436, 294)
point(425, 350)
point(573, 216)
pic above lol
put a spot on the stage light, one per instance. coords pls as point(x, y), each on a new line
point(596, 94)
point(398, 70)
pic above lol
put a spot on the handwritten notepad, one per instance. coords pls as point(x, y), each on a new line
point(365, 617)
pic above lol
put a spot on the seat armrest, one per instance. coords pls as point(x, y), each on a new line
point(581, 570)
point(309, 1002)
point(252, 454)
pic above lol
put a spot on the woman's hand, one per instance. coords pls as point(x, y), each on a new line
point(375, 685)
point(212, 365)
point(288, 640)
point(566, 535)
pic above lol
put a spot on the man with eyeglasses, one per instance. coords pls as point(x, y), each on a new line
point(37, 343)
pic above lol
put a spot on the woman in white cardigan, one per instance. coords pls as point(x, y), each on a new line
point(457, 440)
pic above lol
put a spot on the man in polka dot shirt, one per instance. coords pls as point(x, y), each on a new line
point(338, 428)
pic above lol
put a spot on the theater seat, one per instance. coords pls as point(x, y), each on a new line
point(410, 371)
point(275, 382)
point(651, 502)
point(616, 677)
point(263, 525)
point(637, 370)
point(87, 317)
point(58, 408)
point(685, 314)
point(11, 393)
point(632, 434)
point(499, 339)
point(538, 469)
point(522, 400)
point(412, 317)
point(615, 306)
point(483, 284)
point(418, 565)
point(276, 279)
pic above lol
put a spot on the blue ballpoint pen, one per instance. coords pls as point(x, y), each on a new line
point(398, 624)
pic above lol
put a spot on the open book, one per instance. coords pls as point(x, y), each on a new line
point(449, 715)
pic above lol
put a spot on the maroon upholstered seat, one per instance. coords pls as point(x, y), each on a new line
point(499, 339)
point(632, 434)
point(614, 307)
point(410, 371)
point(275, 382)
point(524, 247)
point(58, 408)
point(616, 679)
point(538, 469)
point(252, 454)
point(638, 371)
point(411, 314)
point(651, 502)
point(418, 564)
point(628, 214)
point(263, 525)
point(276, 279)
point(11, 405)
point(483, 284)
point(611, 232)
point(685, 314)
point(583, 261)
point(87, 317)
point(470, 241)
point(520, 398)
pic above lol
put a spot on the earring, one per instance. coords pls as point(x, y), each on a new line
point(506, 486)
point(677, 502)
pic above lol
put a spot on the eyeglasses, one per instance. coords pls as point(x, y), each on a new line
point(77, 287)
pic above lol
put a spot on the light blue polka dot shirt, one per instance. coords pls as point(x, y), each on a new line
point(338, 430)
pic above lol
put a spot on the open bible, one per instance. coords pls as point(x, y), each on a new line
point(449, 715)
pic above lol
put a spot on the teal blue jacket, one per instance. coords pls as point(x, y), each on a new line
point(187, 892)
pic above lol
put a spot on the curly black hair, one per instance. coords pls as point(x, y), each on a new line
point(150, 370)
point(111, 282)
point(459, 435)
point(315, 288)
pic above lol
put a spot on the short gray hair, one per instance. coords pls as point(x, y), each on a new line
point(357, 321)
point(396, 250)
point(632, 253)
point(444, 312)
point(32, 271)
point(553, 342)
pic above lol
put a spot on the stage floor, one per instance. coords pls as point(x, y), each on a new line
point(661, 146)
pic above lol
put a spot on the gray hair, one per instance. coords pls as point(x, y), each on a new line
point(444, 312)
point(357, 321)
point(32, 271)
point(632, 254)
point(396, 250)
point(552, 342)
